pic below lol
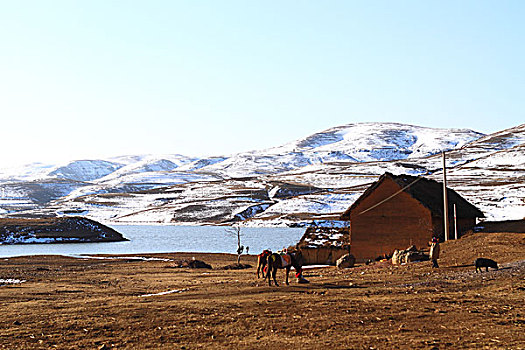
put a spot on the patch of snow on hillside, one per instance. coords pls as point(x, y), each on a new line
point(29, 239)
point(150, 163)
point(319, 204)
point(26, 172)
point(327, 137)
point(201, 163)
point(84, 170)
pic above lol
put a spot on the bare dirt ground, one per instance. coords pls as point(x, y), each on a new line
point(71, 303)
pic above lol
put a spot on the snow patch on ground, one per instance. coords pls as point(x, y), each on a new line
point(164, 293)
point(11, 281)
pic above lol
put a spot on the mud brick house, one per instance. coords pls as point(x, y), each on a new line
point(398, 211)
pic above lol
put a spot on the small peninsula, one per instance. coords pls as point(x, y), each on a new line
point(55, 230)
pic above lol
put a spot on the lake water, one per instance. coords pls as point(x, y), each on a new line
point(165, 239)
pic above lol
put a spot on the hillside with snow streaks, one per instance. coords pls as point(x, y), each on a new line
point(313, 178)
point(494, 183)
point(146, 164)
point(84, 170)
point(359, 142)
point(367, 142)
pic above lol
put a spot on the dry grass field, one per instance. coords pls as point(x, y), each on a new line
point(125, 303)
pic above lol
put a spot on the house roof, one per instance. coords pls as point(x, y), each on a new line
point(324, 233)
point(317, 237)
point(428, 192)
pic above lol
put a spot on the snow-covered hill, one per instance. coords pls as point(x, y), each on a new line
point(85, 170)
point(359, 142)
point(149, 163)
point(94, 169)
point(316, 177)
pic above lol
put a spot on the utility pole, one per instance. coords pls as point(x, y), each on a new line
point(455, 223)
point(445, 199)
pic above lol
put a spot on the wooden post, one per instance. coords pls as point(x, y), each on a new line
point(455, 223)
point(349, 235)
point(445, 199)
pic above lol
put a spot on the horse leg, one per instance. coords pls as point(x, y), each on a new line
point(269, 272)
point(274, 273)
point(269, 268)
point(259, 266)
point(287, 272)
point(264, 268)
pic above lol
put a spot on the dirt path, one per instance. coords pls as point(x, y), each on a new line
point(71, 303)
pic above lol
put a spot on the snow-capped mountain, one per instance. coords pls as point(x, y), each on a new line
point(316, 177)
point(359, 142)
point(365, 142)
point(93, 169)
point(149, 163)
point(85, 170)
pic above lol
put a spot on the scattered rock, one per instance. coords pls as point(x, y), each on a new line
point(346, 261)
point(193, 264)
point(410, 254)
point(237, 266)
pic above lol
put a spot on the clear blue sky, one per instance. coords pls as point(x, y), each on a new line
point(88, 79)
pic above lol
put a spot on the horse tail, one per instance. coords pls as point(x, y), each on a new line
point(268, 268)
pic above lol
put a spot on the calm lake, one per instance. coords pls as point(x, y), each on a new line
point(165, 239)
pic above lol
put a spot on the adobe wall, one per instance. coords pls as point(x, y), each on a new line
point(464, 224)
point(322, 255)
point(396, 224)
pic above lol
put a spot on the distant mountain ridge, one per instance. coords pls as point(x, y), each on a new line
point(322, 173)
point(358, 142)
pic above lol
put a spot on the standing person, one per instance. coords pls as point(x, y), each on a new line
point(434, 252)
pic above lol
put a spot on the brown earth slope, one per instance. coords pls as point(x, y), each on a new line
point(125, 303)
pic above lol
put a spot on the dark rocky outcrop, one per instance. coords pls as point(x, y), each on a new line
point(236, 266)
point(193, 264)
point(56, 230)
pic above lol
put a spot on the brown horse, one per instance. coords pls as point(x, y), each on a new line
point(261, 262)
point(286, 261)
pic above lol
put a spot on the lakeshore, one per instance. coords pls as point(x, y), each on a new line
point(141, 239)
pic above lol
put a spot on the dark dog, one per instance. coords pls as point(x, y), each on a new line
point(486, 263)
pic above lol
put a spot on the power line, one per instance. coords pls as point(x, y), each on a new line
point(392, 196)
point(398, 192)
